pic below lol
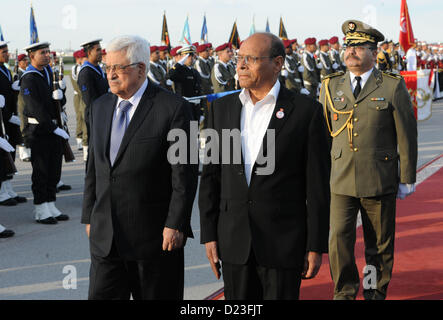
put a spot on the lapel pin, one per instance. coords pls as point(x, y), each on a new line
point(280, 114)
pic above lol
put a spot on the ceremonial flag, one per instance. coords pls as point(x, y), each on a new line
point(282, 31)
point(1, 35)
point(406, 33)
point(186, 34)
point(165, 34)
point(204, 35)
point(267, 26)
point(234, 38)
point(252, 30)
point(33, 28)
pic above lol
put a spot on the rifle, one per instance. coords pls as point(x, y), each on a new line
point(5, 157)
point(67, 151)
point(16, 66)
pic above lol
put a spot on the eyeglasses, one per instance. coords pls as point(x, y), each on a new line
point(250, 60)
point(118, 68)
point(356, 48)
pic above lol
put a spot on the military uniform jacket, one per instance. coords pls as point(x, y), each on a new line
point(384, 135)
point(222, 77)
point(310, 74)
point(327, 65)
point(36, 88)
point(293, 80)
point(186, 80)
point(92, 83)
point(204, 69)
point(157, 74)
point(384, 61)
point(334, 56)
point(10, 109)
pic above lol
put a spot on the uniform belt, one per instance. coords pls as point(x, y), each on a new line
point(34, 121)
point(297, 80)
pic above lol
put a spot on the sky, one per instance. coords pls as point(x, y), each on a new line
point(68, 23)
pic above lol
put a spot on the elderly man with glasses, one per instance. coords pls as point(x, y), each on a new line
point(137, 204)
point(268, 227)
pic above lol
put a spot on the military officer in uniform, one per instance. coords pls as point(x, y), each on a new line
point(186, 79)
point(384, 62)
point(91, 80)
point(157, 71)
point(223, 74)
point(79, 105)
point(41, 132)
point(374, 157)
point(211, 55)
point(203, 66)
point(311, 74)
point(163, 56)
point(292, 70)
point(9, 91)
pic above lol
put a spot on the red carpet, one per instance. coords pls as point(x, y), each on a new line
point(418, 259)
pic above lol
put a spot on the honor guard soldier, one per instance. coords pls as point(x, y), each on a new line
point(384, 62)
point(157, 72)
point(163, 56)
point(186, 79)
point(203, 66)
point(211, 55)
point(23, 62)
point(292, 70)
point(11, 122)
point(311, 74)
point(91, 80)
point(41, 132)
point(374, 160)
point(324, 59)
point(223, 75)
point(334, 55)
point(79, 105)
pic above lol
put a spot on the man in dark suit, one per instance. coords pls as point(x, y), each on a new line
point(269, 229)
point(137, 206)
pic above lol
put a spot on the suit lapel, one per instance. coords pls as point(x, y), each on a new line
point(139, 116)
point(108, 115)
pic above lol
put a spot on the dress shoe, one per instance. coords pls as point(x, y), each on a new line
point(20, 199)
point(8, 202)
point(64, 187)
point(6, 233)
point(62, 217)
point(57, 213)
point(50, 220)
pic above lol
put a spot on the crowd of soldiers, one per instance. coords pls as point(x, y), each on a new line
point(193, 70)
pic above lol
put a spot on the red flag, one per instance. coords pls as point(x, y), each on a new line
point(406, 33)
point(410, 78)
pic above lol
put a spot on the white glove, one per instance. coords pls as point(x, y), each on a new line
point(301, 68)
point(169, 82)
point(405, 190)
point(2, 101)
point(335, 66)
point(304, 91)
point(236, 76)
point(15, 85)
point(62, 84)
point(4, 144)
point(195, 101)
point(284, 73)
point(182, 61)
point(64, 117)
point(319, 65)
point(62, 133)
point(14, 120)
point(57, 94)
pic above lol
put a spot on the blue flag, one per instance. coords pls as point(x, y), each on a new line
point(267, 26)
point(214, 96)
point(204, 35)
point(1, 34)
point(186, 34)
point(252, 30)
point(33, 28)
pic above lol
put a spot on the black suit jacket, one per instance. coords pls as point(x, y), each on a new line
point(282, 215)
point(132, 201)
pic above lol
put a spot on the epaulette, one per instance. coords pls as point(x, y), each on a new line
point(392, 75)
point(333, 75)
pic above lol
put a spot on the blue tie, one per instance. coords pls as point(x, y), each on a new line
point(119, 126)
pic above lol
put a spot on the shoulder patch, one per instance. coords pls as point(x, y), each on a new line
point(333, 75)
point(26, 92)
point(392, 75)
point(84, 88)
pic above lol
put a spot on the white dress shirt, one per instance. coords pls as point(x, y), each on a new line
point(134, 100)
point(254, 123)
point(364, 78)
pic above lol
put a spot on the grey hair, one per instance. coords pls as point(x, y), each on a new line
point(137, 49)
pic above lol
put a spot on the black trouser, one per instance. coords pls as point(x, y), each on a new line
point(46, 160)
point(254, 282)
point(158, 278)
